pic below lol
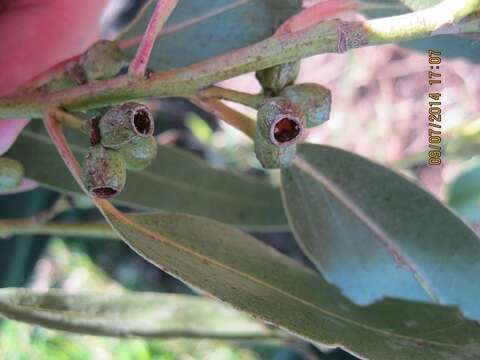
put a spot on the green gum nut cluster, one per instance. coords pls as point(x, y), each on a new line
point(104, 172)
point(275, 78)
point(314, 100)
point(280, 125)
point(122, 139)
point(11, 174)
point(103, 60)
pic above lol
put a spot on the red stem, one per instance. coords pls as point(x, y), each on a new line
point(161, 13)
point(54, 130)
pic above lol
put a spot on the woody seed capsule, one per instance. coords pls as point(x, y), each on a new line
point(314, 100)
point(272, 156)
point(125, 123)
point(139, 153)
point(275, 78)
point(104, 172)
point(103, 60)
point(280, 122)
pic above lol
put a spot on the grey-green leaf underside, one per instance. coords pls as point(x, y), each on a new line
point(150, 315)
point(374, 233)
point(463, 193)
point(175, 181)
point(252, 277)
point(200, 29)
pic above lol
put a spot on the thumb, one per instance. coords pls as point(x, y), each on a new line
point(35, 36)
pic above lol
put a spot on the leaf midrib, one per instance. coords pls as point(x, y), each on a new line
point(150, 233)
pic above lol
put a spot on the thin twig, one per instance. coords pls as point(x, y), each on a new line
point(160, 15)
point(331, 36)
point(11, 227)
point(216, 92)
point(54, 130)
point(227, 114)
point(69, 120)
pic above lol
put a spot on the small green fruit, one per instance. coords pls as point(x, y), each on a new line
point(276, 78)
point(103, 60)
point(11, 174)
point(125, 123)
point(104, 172)
point(139, 153)
point(272, 156)
point(280, 122)
point(314, 100)
point(280, 125)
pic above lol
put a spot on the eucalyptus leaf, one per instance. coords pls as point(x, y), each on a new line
point(374, 233)
point(175, 181)
point(150, 315)
point(451, 46)
point(254, 278)
point(200, 29)
point(463, 193)
point(19, 256)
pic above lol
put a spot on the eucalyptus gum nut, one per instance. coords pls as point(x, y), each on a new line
point(139, 153)
point(124, 123)
point(104, 172)
point(276, 78)
point(11, 174)
point(272, 156)
point(103, 60)
point(314, 100)
point(280, 122)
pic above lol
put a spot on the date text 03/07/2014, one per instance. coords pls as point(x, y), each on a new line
point(434, 109)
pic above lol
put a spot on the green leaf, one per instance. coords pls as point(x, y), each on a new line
point(150, 315)
point(463, 193)
point(175, 181)
point(451, 46)
point(200, 29)
point(19, 256)
point(254, 278)
point(374, 233)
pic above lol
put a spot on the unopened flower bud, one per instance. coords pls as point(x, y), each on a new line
point(276, 78)
point(280, 122)
point(11, 174)
point(139, 153)
point(125, 123)
point(104, 172)
point(103, 60)
point(314, 100)
point(272, 156)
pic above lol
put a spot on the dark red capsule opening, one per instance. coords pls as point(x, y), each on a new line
point(286, 130)
point(105, 192)
point(143, 122)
